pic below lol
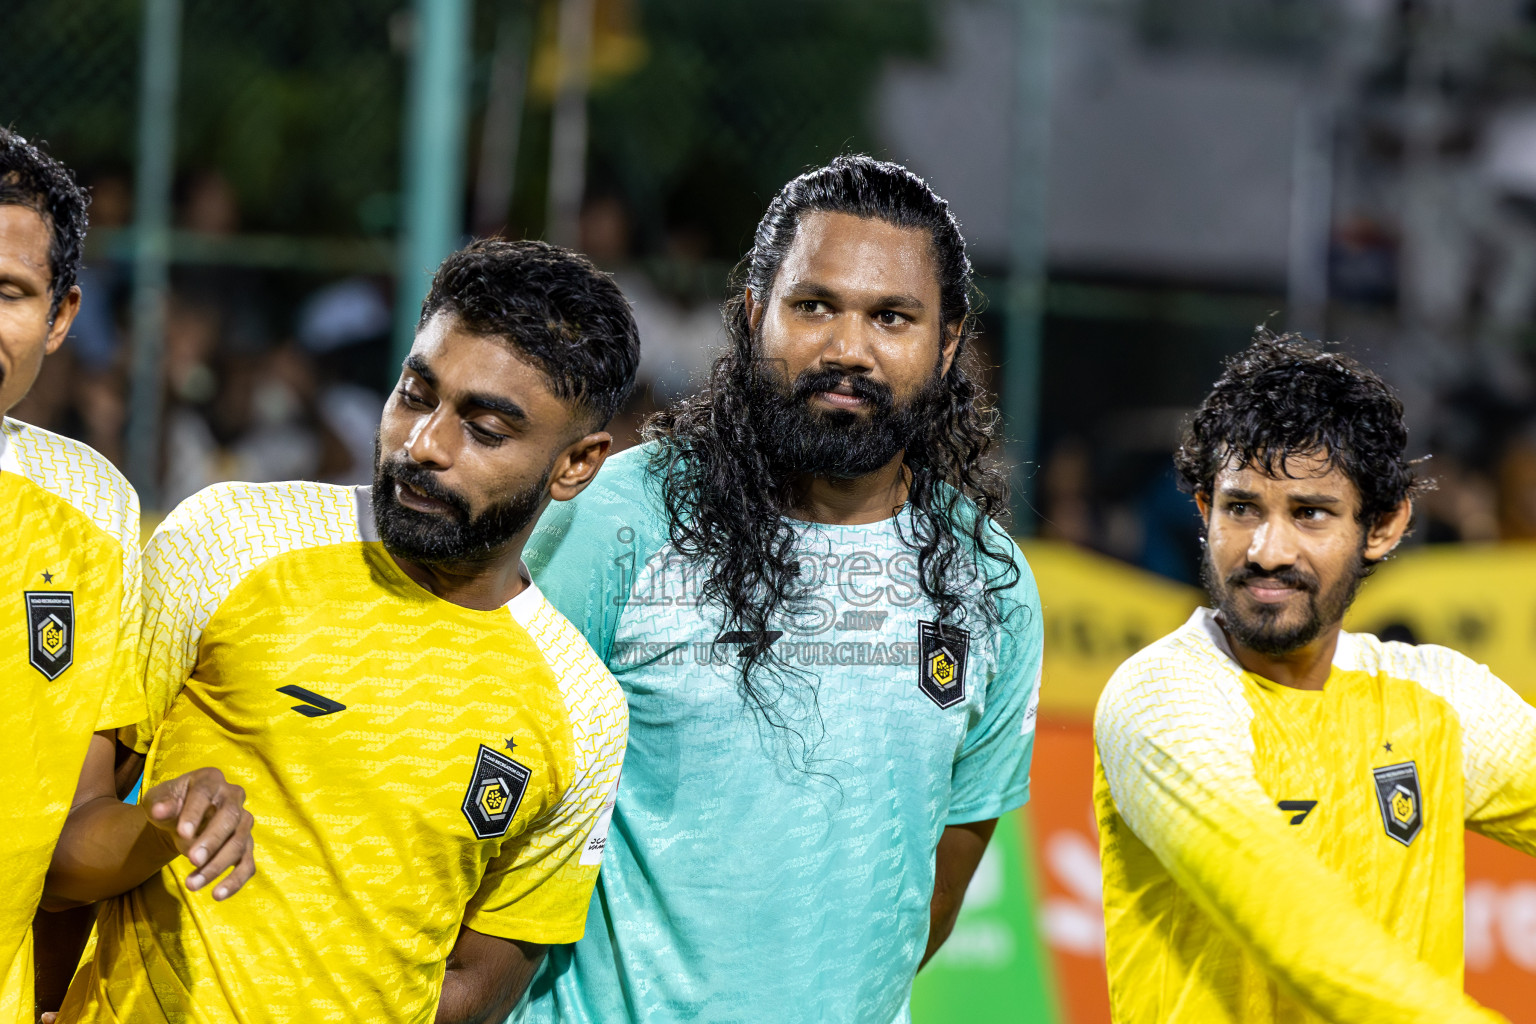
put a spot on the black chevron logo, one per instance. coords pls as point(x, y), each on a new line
point(754, 640)
point(1298, 809)
point(314, 705)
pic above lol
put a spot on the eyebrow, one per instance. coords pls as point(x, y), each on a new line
point(801, 290)
point(478, 399)
point(1239, 494)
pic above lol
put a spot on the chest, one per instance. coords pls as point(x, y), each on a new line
point(347, 706)
point(856, 660)
point(1372, 769)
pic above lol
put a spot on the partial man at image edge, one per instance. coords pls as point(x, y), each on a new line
point(431, 748)
point(830, 649)
point(1281, 804)
point(72, 627)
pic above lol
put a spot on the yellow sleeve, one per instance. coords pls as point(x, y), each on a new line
point(1178, 759)
point(123, 700)
point(539, 887)
point(1498, 741)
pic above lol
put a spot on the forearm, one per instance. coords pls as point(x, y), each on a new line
point(57, 941)
point(106, 848)
point(1295, 917)
point(480, 993)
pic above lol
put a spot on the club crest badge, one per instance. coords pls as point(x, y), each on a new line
point(1400, 799)
point(495, 792)
point(941, 663)
point(50, 630)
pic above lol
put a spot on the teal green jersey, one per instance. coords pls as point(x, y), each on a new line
point(777, 872)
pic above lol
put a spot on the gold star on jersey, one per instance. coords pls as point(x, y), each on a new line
point(368, 722)
point(69, 626)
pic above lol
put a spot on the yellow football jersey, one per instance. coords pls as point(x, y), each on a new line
point(1281, 855)
point(71, 629)
point(411, 764)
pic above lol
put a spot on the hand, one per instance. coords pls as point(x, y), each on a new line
point(205, 818)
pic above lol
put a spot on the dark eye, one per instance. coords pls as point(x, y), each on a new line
point(411, 398)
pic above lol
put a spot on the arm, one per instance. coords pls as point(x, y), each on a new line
point(108, 847)
point(486, 976)
point(1183, 783)
point(960, 850)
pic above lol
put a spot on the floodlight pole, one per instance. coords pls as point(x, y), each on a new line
point(433, 170)
point(1025, 306)
point(160, 69)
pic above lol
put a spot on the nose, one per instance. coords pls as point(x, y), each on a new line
point(427, 444)
point(1273, 545)
point(851, 343)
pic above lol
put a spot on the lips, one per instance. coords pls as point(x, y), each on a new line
point(418, 502)
point(841, 399)
point(1269, 592)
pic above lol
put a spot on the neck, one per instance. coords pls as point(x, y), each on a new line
point(1305, 668)
point(482, 584)
point(866, 499)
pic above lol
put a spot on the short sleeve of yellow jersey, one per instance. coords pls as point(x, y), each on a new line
point(191, 564)
point(539, 887)
point(1498, 737)
point(75, 475)
point(1173, 740)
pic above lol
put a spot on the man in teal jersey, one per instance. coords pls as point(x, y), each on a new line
point(830, 649)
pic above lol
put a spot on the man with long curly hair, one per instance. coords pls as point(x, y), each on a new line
point(1281, 803)
point(830, 648)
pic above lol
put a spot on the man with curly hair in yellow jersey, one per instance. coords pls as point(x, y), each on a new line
point(1281, 804)
point(431, 749)
point(69, 631)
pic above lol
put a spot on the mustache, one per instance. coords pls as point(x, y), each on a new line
point(1288, 577)
point(814, 381)
point(426, 482)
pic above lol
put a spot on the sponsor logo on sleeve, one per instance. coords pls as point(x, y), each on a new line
point(1400, 799)
point(495, 792)
point(50, 630)
point(597, 841)
point(941, 662)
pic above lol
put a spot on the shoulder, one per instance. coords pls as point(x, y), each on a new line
point(1466, 684)
point(76, 474)
point(228, 529)
point(593, 699)
point(236, 510)
point(1186, 681)
point(621, 507)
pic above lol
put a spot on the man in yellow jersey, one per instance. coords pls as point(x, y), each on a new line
point(1281, 803)
point(430, 748)
point(70, 625)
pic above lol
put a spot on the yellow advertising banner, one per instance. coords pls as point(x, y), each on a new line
point(1478, 599)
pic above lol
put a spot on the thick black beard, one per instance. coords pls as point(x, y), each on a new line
point(452, 538)
point(799, 440)
point(1262, 632)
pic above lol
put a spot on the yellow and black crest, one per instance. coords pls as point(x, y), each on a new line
point(941, 662)
point(495, 791)
point(50, 630)
point(1400, 799)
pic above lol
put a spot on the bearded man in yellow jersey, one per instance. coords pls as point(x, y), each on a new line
point(1281, 804)
point(69, 630)
point(431, 749)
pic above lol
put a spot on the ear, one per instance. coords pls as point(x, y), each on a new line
point(63, 320)
point(577, 465)
point(753, 308)
point(951, 346)
point(1203, 503)
point(1387, 531)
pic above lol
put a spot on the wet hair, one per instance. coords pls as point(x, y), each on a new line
point(551, 305)
point(726, 501)
point(31, 178)
point(1281, 397)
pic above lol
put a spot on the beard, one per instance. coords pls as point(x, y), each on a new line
point(448, 538)
point(837, 444)
point(1264, 628)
